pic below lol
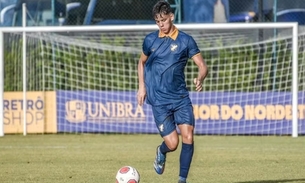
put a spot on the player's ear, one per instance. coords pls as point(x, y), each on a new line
point(172, 17)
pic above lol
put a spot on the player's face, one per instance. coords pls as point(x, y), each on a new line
point(165, 22)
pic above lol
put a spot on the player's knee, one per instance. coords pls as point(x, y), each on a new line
point(188, 138)
point(173, 144)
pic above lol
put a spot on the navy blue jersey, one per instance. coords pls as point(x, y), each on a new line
point(164, 69)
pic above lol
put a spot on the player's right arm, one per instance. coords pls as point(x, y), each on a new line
point(142, 90)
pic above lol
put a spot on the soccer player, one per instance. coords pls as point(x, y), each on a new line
point(162, 84)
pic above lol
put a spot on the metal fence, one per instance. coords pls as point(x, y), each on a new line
point(105, 12)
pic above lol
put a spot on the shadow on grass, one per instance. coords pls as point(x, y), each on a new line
point(274, 181)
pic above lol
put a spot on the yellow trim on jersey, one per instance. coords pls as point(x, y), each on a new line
point(173, 34)
point(196, 54)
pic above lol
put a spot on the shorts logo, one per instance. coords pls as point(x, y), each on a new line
point(161, 128)
point(76, 111)
point(174, 47)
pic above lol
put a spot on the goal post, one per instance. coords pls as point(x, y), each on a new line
point(1, 85)
point(87, 65)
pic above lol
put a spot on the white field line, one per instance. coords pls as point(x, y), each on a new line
point(38, 147)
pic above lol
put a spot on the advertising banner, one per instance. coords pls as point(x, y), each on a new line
point(215, 113)
point(40, 112)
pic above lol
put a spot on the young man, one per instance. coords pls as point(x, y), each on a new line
point(162, 83)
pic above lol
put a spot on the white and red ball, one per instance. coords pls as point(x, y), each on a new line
point(127, 174)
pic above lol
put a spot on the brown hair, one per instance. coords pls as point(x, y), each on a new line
point(161, 7)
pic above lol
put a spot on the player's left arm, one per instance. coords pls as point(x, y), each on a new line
point(202, 71)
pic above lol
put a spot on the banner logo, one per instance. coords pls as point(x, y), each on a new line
point(76, 111)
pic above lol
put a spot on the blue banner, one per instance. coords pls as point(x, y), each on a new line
point(260, 113)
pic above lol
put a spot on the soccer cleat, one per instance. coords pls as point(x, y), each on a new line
point(159, 163)
point(180, 181)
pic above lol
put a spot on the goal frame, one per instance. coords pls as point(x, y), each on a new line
point(293, 26)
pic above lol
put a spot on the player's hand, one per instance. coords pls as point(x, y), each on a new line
point(141, 96)
point(198, 84)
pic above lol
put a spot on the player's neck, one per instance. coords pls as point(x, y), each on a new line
point(171, 30)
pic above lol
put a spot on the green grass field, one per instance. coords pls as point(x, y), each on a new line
point(96, 158)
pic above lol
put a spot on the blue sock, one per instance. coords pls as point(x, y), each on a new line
point(186, 157)
point(164, 149)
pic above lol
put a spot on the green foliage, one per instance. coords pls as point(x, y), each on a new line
point(13, 68)
point(251, 68)
point(76, 67)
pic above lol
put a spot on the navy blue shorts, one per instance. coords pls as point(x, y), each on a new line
point(168, 116)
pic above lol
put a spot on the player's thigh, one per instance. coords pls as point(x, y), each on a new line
point(185, 115)
point(184, 118)
point(164, 120)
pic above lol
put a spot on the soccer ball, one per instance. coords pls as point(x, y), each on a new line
point(127, 174)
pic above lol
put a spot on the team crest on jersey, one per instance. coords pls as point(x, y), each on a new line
point(174, 47)
point(161, 127)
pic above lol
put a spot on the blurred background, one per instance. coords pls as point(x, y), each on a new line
point(117, 12)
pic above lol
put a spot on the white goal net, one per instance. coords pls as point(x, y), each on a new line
point(84, 80)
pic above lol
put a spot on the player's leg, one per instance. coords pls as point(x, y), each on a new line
point(184, 118)
point(187, 150)
point(165, 123)
point(170, 142)
point(173, 140)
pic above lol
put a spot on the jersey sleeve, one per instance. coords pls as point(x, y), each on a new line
point(146, 46)
point(192, 47)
